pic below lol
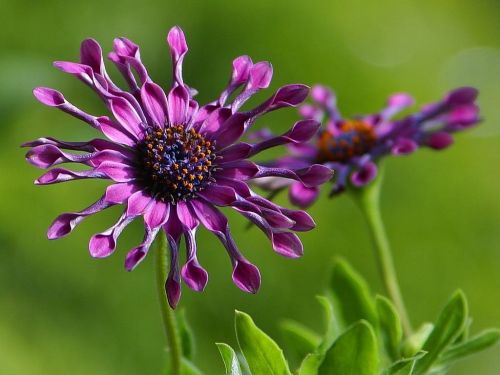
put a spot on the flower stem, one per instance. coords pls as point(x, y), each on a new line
point(167, 314)
point(368, 199)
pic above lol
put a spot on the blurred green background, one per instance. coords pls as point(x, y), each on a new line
point(63, 312)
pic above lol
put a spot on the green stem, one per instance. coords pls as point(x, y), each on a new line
point(368, 199)
point(167, 314)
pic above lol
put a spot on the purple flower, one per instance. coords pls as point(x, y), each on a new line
point(352, 147)
point(172, 162)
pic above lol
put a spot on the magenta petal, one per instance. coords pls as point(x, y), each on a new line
point(49, 97)
point(103, 244)
point(322, 95)
point(440, 140)
point(137, 203)
point(246, 276)
point(120, 192)
point(178, 102)
point(288, 245)
point(463, 95)
point(155, 102)
point(177, 41)
point(301, 195)
point(260, 75)
point(57, 175)
point(209, 216)
point(186, 216)
point(234, 152)
point(404, 146)
point(218, 194)
point(127, 116)
point(156, 214)
point(194, 275)
point(137, 255)
point(241, 69)
point(303, 221)
point(173, 290)
point(239, 170)
point(364, 175)
point(116, 171)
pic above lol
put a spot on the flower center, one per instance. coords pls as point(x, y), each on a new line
point(175, 163)
point(355, 139)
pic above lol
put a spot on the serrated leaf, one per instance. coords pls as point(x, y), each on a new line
point(230, 359)
point(352, 297)
point(188, 368)
point(448, 326)
point(331, 324)
point(477, 343)
point(353, 353)
point(263, 355)
point(186, 334)
point(390, 326)
point(300, 339)
point(404, 366)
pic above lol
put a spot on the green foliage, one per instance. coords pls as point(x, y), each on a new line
point(353, 353)
point(187, 337)
point(351, 295)
point(390, 326)
point(355, 350)
point(263, 355)
point(230, 359)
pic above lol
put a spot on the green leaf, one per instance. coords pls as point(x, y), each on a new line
point(404, 366)
point(230, 359)
point(479, 342)
point(188, 368)
point(263, 355)
point(331, 325)
point(352, 297)
point(310, 364)
point(299, 338)
point(390, 326)
point(414, 343)
point(186, 334)
point(353, 353)
point(449, 325)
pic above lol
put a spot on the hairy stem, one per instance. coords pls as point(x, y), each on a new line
point(167, 314)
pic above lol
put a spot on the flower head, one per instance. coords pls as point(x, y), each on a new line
point(352, 147)
point(171, 161)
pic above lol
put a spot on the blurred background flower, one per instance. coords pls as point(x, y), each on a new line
point(62, 314)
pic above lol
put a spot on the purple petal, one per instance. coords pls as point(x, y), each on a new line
point(235, 152)
point(120, 192)
point(246, 276)
point(301, 195)
point(155, 102)
point(178, 48)
point(311, 176)
point(303, 221)
point(287, 244)
point(173, 282)
point(301, 132)
point(57, 175)
point(209, 216)
point(239, 170)
point(404, 146)
point(178, 102)
point(440, 140)
point(186, 216)
point(136, 255)
point(116, 132)
point(137, 203)
point(218, 194)
point(463, 95)
point(116, 171)
point(364, 175)
point(193, 274)
point(127, 116)
point(156, 214)
point(65, 223)
point(103, 244)
point(49, 97)
point(260, 75)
